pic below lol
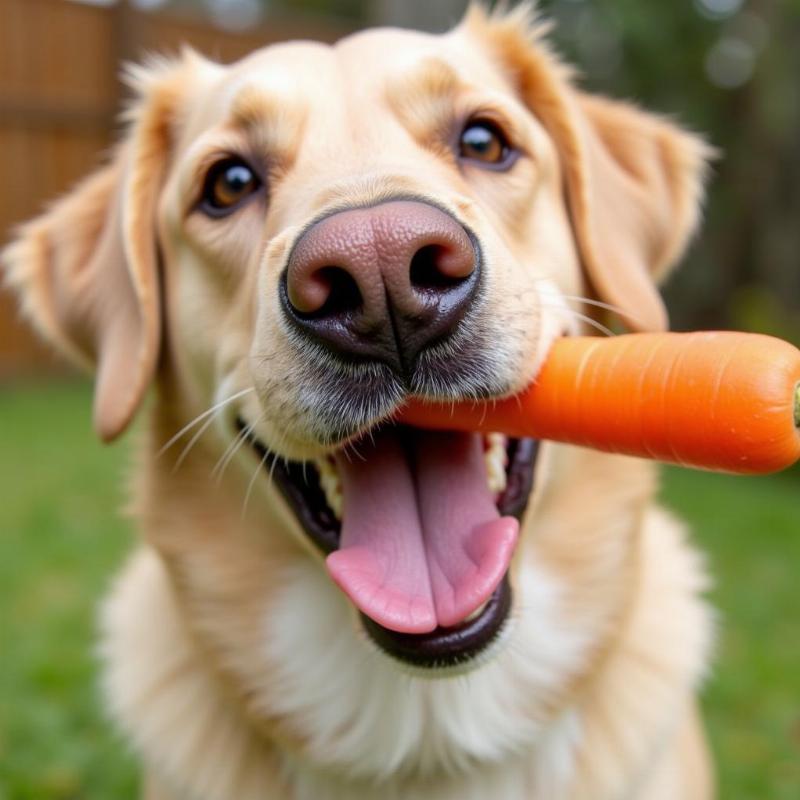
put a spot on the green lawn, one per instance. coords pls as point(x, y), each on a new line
point(61, 539)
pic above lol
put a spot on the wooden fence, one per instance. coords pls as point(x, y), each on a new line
point(59, 96)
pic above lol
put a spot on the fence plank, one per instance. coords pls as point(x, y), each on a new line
point(59, 95)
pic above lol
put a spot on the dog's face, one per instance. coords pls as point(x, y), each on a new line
point(300, 165)
point(304, 239)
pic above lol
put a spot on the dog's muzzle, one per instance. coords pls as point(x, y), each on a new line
point(381, 283)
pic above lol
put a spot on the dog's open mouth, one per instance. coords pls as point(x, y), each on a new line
point(419, 528)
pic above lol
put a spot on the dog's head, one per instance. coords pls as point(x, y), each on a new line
point(305, 238)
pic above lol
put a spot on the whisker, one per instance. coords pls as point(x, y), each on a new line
point(229, 450)
point(484, 412)
point(201, 417)
point(275, 460)
point(577, 315)
point(252, 483)
point(233, 449)
point(599, 304)
point(588, 300)
point(593, 322)
point(192, 442)
point(351, 451)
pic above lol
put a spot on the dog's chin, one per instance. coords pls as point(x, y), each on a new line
point(371, 508)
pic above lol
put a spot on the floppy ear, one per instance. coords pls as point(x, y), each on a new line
point(87, 269)
point(634, 186)
point(633, 181)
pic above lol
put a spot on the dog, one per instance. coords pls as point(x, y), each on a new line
point(325, 604)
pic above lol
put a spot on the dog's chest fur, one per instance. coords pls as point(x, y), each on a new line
point(318, 713)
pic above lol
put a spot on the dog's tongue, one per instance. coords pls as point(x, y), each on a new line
point(422, 543)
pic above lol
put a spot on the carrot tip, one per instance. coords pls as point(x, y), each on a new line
point(797, 406)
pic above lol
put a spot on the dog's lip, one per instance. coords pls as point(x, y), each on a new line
point(447, 647)
point(442, 647)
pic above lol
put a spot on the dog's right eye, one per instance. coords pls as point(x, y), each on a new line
point(228, 183)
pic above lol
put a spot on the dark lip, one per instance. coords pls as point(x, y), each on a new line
point(446, 647)
point(442, 647)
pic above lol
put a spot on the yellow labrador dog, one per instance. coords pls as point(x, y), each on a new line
point(325, 605)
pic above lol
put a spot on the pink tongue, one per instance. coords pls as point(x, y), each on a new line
point(422, 543)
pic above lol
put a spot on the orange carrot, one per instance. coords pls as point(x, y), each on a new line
point(719, 400)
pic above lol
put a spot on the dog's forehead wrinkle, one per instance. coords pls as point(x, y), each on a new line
point(428, 75)
point(404, 62)
point(265, 98)
point(409, 64)
point(275, 82)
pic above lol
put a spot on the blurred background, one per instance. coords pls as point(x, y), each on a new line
point(727, 68)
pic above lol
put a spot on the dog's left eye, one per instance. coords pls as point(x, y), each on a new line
point(227, 184)
point(484, 142)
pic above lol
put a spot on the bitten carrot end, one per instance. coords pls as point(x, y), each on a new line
point(797, 406)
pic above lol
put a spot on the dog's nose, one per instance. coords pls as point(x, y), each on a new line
point(382, 282)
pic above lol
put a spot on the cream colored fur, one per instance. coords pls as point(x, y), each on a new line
point(232, 662)
point(540, 720)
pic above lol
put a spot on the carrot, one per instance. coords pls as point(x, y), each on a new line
point(719, 400)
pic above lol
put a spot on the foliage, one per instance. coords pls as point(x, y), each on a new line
point(729, 70)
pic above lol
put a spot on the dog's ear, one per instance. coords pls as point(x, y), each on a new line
point(86, 272)
point(634, 186)
point(633, 181)
point(87, 269)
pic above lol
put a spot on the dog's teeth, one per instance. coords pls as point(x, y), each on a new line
point(477, 612)
point(496, 461)
point(335, 502)
point(495, 456)
point(331, 485)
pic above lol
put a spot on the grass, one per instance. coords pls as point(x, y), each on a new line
point(750, 527)
point(61, 539)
